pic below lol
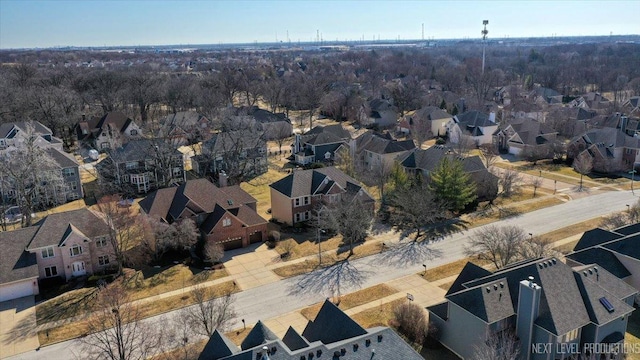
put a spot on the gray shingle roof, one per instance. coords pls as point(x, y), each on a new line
point(307, 182)
point(63, 159)
point(218, 347)
point(591, 295)
point(594, 237)
point(490, 301)
point(331, 325)
point(603, 257)
point(52, 229)
point(469, 272)
point(380, 144)
point(474, 119)
point(16, 263)
point(628, 229)
point(260, 334)
point(336, 130)
point(293, 340)
point(627, 246)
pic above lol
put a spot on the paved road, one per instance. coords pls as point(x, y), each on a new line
point(287, 295)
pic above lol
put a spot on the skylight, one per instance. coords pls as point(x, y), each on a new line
point(607, 305)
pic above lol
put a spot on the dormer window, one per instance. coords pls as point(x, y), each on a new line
point(226, 222)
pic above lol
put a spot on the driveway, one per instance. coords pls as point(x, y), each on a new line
point(17, 327)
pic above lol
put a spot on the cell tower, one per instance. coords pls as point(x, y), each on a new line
point(484, 41)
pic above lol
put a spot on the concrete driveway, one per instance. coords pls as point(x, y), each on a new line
point(18, 327)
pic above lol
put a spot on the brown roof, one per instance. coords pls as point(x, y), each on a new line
point(16, 263)
point(54, 228)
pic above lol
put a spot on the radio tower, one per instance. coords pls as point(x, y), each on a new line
point(484, 41)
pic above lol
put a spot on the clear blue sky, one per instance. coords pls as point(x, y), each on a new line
point(25, 23)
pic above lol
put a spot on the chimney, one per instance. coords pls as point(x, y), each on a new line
point(528, 307)
point(84, 118)
point(492, 117)
point(222, 178)
point(297, 145)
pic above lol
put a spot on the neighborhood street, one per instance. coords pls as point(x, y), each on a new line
point(402, 259)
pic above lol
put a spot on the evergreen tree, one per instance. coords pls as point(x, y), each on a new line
point(443, 105)
point(452, 185)
point(454, 111)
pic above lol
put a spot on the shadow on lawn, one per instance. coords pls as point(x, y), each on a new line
point(331, 280)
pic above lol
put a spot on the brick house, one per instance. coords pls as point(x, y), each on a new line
point(226, 215)
point(294, 197)
point(68, 244)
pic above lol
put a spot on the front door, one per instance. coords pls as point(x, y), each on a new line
point(78, 268)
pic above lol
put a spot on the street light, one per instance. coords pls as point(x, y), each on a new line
point(628, 208)
point(531, 235)
point(425, 270)
point(632, 172)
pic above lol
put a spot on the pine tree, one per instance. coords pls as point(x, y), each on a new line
point(452, 185)
point(443, 105)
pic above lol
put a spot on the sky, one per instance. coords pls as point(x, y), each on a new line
point(55, 23)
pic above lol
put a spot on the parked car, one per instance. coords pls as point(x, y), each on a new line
point(94, 155)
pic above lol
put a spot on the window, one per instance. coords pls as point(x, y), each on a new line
point(75, 250)
point(297, 201)
point(306, 200)
point(50, 271)
point(297, 217)
point(125, 178)
point(101, 242)
point(132, 165)
point(177, 171)
point(103, 260)
point(226, 222)
point(571, 335)
point(133, 132)
point(73, 185)
point(68, 172)
point(47, 252)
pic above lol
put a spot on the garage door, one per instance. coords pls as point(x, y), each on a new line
point(16, 290)
point(232, 244)
point(255, 237)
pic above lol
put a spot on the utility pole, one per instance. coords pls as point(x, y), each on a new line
point(484, 41)
point(422, 31)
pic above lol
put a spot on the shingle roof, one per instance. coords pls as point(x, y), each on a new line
point(115, 119)
point(531, 132)
point(429, 159)
point(603, 257)
point(595, 237)
point(38, 128)
point(606, 280)
point(16, 263)
point(380, 144)
point(293, 340)
point(488, 301)
point(336, 130)
point(627, 246)
point(307, 182)
point(63, 159)
point(260, 334)
point(53, 228)
point(227, 141)
point(474, 119)
point(469, 272)
point(559, 293)
point(592, 293)
point(218, 347)
point(331, 325)
point(628, 229)
point(430, 113)
point(140, 149)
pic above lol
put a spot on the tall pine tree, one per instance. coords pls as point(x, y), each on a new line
point(452, 185)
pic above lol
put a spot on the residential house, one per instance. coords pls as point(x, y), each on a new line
point(614, 250)
point(474, 127)
point(68, 244)
point(429, 120)
point(542, 301)
point(110, 131)
point(226, 215)
point(423, 162)
point(523, 136)
point(320, 144)
point(374, 149)
point(610, 149)
point(233, 152)
point(294, 197)
point(273, 125)
point(185, 128)
point(331, 335)
point(14, 134)
point(381, 112)
point(633, 105)
point(545, 96)
point(140, 166)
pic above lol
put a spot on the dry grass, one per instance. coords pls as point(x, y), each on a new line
point(157, 281)
point(237, 336)
point(328, 258)
point(575, 229)
point(258, 187)
point(452, 268)
point(78, 328)
point(446, 286)
point(513, 209)
point(377, 316)
point(352, 300)
point(566, 248)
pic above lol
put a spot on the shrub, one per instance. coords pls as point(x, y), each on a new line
point(274, 236)
point(410, 321)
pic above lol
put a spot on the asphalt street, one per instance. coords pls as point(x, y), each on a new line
point(401, 259)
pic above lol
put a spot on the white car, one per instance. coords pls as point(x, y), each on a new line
point(94, 154)
point(12, 214)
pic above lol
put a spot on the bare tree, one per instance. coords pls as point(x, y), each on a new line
point(124, 229)
point(509, 181)
point(213, 251)
point(29, 172)
point(378, 174)
point(583, 164)
point(350, 217)
point(500, 346)
point(116, 332)
point(209, 314)
point(489, 154)
point(161, 237)
point(500, 245)
point(410, 320)
point(536, 182)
